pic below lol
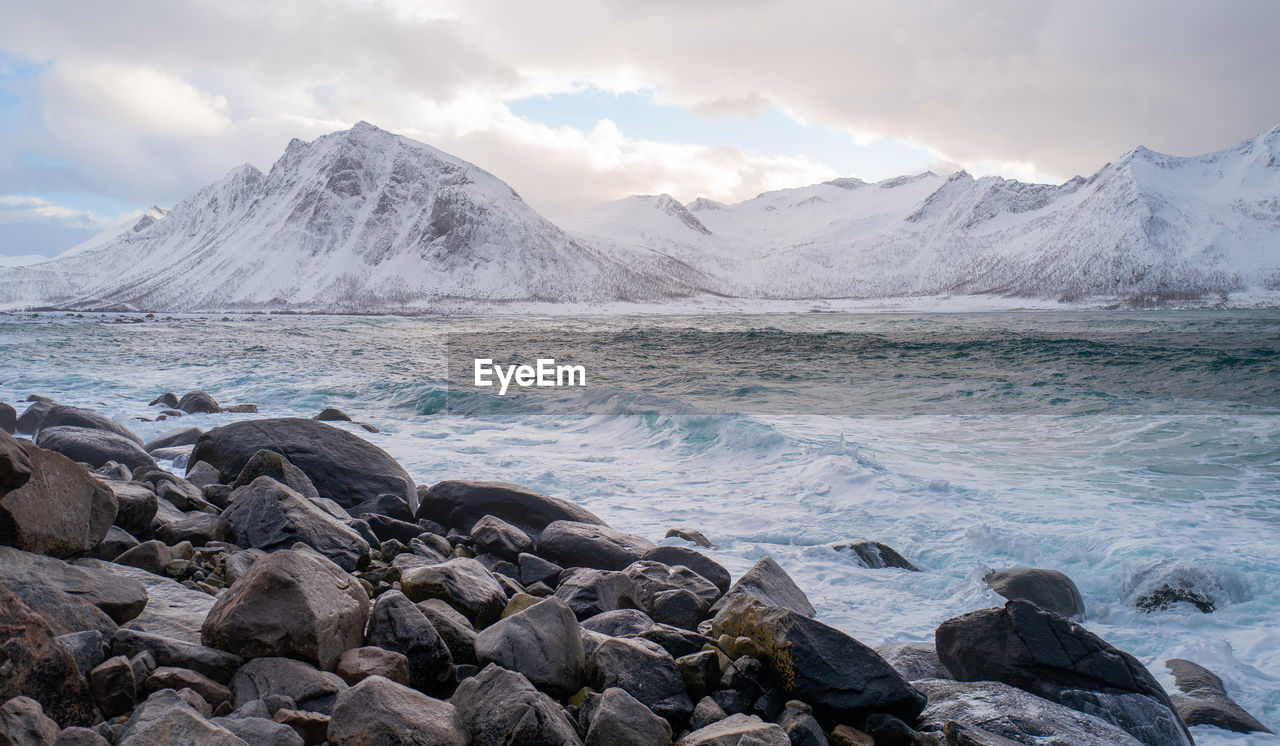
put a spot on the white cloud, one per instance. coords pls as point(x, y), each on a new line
point(16, 208)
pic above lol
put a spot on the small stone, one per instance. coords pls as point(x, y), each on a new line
point(169, 677)
point(23, 723)
point(689, 535)
point(113, 685)
point(358, 664)
point(737, 729)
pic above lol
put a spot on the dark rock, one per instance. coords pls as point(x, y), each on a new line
point(166, 718)
point(358, 664)
point(694, 560)
point(574, 544)
point(172, 609)
point(396, 624)
point(874, 555)
point(454, 628)
point(312, 726)
point(218, 665)
point(178, 436)
point(36, 666)
point(241, 409)
point(691, 536)
point(767, 581)
point(801, 727)
point(64, 612)
point(180, 493)
point(379, 711)
point(87, 648)
point(34, 415)
point(122, 599)
point(492, 534)
point(259, 731)
point(500, 707)
point(1048, 589)
point(671, 595)
point(542, 642)
point(15, 465)
point(198, 402)
point(23, 723)
point(8, 418)
point(591, 592)
point(674, 640)
point(169, 677)
point(151, 556)
point(197, 528)
point(619, 719)
point(301, 683)
point(80, 737)
point(1204, 699)
point(1048, 655)
point(914, 660)
point(342, 466)
point(136, 505)
point(385, 528)
point(271, 464)
point(202, 474)
point(819, 664)
point(85, 511)
point(113, 686)
point(268, 515)
point(462, 583)
point(293, 602)
point(459, 504)
point(386, 504)
point(737, 729)
point(706, 712)
point(330, 414)
point(112, 470)
point(645, 671)
point(534, 569)
point(167, 399)
point(619, 623)
point(60, 415)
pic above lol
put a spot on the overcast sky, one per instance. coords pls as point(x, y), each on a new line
point(106, 108)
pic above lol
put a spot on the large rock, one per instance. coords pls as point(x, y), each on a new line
point(259, 731)
point(1008, 712)
point(737, 730)
point(459, 504)
point(577, 544)
point(166, 719)
point(819, 664)
point(267, 515)
point(543, 642)
point(218, 665)
point(178, 436)
point(462, 583)
point(378, 712)
point(500, 707)
point(198, 402)
point(309, 688)
point(767, 581)
point(1204, 700)
point(60, 511)
point(23, 723)
point(290, 603)
point(197, 528)
point(31, 418)
point(398, 625)
point(671, 595)
point(61, 415)
point(8, 418)
point(1049, 589)
point(121, 598)
point(592, 592)
point(694, 560)
point(34, 665)
point(874, 555)
point(358, 664)
point(496, 536)
point(342, 466)
point(645, 671)
point(454, 628)
point(914, 660)
point(136, 503)
point(94, 447)
point(619, 719)
point(65, 613)
point(272, 464)
point(173, 610)
point(1052, 657)
point(15, 465)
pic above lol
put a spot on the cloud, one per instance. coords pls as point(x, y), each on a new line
point(16, 208)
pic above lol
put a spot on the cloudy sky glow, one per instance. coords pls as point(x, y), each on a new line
point(106, 108)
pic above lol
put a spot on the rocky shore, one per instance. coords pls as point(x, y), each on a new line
point(294, 586)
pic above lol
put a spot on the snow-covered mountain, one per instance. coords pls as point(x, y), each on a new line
point(366, 221)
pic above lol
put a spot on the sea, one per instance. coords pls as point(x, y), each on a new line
point(1125, 449)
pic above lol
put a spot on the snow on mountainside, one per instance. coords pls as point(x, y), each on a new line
point(366, 221)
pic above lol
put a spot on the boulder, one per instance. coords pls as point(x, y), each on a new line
point(197, 528)
point(914, 660)
point(767, 581)
point(576, 544)
point(61, 415)
point(496, 536)
point(272, 464)
point(167, 399)
point(113, 685)
point(1010, 713)
point(391, 506)
point(267, 515)
point(15, 465)
point(36, 666)
point(798, 722)
point(454, 628)
point(358, 664)
point(294, 602)
point(169, 677)
point(379, 711)
point(543, 642)
point(87, 649)
point(29, 422)
point(121, 598)
point(218, 665)
point(1049, 589)
point(342, 466)
point(874, 555)
point(259, 731)
point(8, 418)
point(619, 719)
point(819, 664)
point(462, 583)
point(694, 560)
point(172, 609)
point(178, 436)
point(459, 504)
point(1052, 657)
point(23, 723)
point(151, 556)
point(1204, 699)
point(115, 543)
point(591, 592)
point(385, 528)
point(202, 474)
point(735, 730)
point(65, 613)
point(500, 707)
point(534, 569)
point(671, 595)
point(303, 684)
point(396, 624)
point(136, 503)
point(693, 537)
point(198, 402)
point(166, 718)
point(85, 509)
point(645, 671)
point(330, 414)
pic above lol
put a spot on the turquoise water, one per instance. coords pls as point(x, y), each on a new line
point(1116, 447)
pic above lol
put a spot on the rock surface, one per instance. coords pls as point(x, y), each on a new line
point(1049, 589)
point(591, 592)
point(358, 664)
point(577, 544)
point(94, 447)
point(645, 671)
point(735, 730)
point(543, 642)
point(767, 581)
point(694, 560)
point(34, 665)
point(267, 515)
point(500, 707)
point(496, 536)
point(874, 555)
point(459, 504)
point(671, 595)
point(166, 718)
point(198, 402)
point(178, 436)
point(378, 711)
point(61, 415)
point(272, 464)
point(304, 685)
point(619, 719)
point(1204, 700)
point(15, 465)
point(86, 508)
point(398, 625)
point(120, 598)
point(23, 723)
point(462, 583)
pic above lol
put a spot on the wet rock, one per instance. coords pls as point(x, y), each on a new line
point(166, 718)
point(619, 623)
point(1048, 655)
point(801, 727)
point(767, 581)
point(534, 569)
point(94, 447)
point(15, 465)
point(312, 726)
point(691, 536)
point(385, 528)
point(1204, 699)
point(454, 628)
point(874, 555)
point(676, 641)
point(36, 666)
point(113, 686)
point(706, 712)
point(619, 719)
point(575, 544)
point(169, 677)
point(271, 464)
point(167, 399)
point(462, 583)
point(29, 422)
point(342, 466)
point(23, 723)
point(496, 536)
point(305, 686)
point(122, 599)
point(294, 602)
point(267, 515)
point(358, 664)
point(819, 664)
point(198, 402)
point(737, 729)
point(87, 648)
point(178, 436)
point(85, 511)
point(8, 418)
point(591, 592)
point(542, 642)
point(914, 660)
point(379, 711)
point(645, 671)
point(671, 595)
point(202, 474)
point(694, 560)
point(218, 665)
point(391, 506)
point(1048, 589)
point(136, 503)
point(459, 504)
point(241, 409)
point(197, 528)
point(61, 415)
point(396, 624)
point(329, 414)
point(501, 707)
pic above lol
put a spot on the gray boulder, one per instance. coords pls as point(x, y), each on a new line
point(94, 447)
point(121, 598)
point(380, 711)
point(462, 583)
point(342, 466)
point(15, 465)
point(170, 677)
point(115, 543)
point(737, 730)
point(645, 671)
point(136, 503)
point(671, 595)
point(259, 731)
point(272, 464)
point(87, 649)
point(500, 707)
point(454, 628)
point(167, 719)
point(267, 515)
point(459, 504)
point(85, 511)
point(197, 528)
point(619, 719)
point(113, 685)
point(543, 642)
point(358, 664)
point(1049, 589)
point(914, 660)
point(694, 560)
point(397, 625)
point(294, 602)
point(65, 613)
point(306, 686)
point(577, 544)
point(767, 581)
point(1204, 700)
point(198, 402)
point(874, 555)
point(218, 665)
point(591, 592)
point(496, 536)
point(23, 723)
point(36, 666)
point(172, 609)
point(534, 569)
point(151, 556)
point(8, 418)
point(61, 415)
point(178, 436)
point(29, 422)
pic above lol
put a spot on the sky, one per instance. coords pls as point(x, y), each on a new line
point(108, 108)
